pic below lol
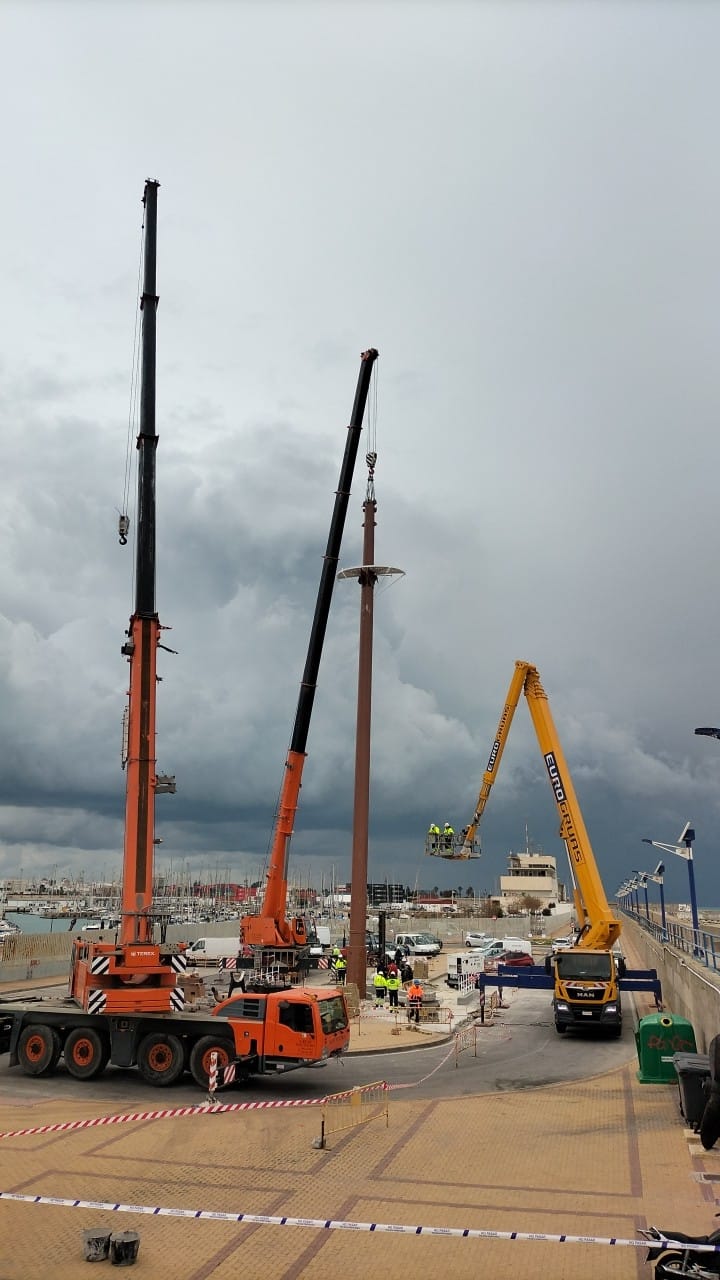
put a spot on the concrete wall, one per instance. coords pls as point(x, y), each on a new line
point(39, 955)
point(688, 988)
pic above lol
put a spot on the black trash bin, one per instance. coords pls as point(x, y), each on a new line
point(693, 1070)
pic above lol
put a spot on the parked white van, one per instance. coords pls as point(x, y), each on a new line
point(517, 944)
point(416, 944)
point(212, 950)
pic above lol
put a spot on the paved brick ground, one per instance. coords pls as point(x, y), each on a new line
point(601, 1157)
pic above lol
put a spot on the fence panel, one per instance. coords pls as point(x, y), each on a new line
point(352, 1108)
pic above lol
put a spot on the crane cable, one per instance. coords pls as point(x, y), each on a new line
point(124, 518)
point(371, 455)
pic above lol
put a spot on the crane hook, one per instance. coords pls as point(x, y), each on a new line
point(123, 529)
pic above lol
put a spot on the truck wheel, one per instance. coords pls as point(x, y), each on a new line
point(86, 1054)
point(161, 1059)
point(560, 1028)
point(200, 1058)
point(38, 1049)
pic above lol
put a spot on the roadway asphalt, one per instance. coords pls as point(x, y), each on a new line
point(475, 1140)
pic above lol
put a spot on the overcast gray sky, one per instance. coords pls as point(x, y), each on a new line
point(518, 204)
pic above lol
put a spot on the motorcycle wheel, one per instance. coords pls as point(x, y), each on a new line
point(674, 1264)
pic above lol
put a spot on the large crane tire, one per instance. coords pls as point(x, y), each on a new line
point(86, 1053)
point(38, 1049)
point(200, 1058)
point(161, 1059)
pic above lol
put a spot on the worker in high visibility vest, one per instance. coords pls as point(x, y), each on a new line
point(393, 986)
point(340, 969)
point(433, 835)
point(448, 833)
point(414, 1001)
point(380, 986)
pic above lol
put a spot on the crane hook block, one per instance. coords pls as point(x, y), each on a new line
point(123, 529)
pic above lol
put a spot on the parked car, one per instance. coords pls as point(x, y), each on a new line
point(561, 944)
point(475, 939)
point(517, 958)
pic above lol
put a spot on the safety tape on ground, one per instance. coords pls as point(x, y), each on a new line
point(202, 1109)
point(338, 1224)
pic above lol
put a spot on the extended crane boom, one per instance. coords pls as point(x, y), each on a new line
point(135, 974)
point(271, 935)
point(144, 631)
point(586, 977)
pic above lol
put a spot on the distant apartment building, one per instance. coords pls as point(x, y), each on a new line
point(533, 875)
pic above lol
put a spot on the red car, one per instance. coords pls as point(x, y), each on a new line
point(517, 958)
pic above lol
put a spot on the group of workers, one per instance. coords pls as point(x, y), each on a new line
point(390, 978)
point(438, 839)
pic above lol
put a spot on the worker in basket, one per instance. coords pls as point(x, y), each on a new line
point(447, 835)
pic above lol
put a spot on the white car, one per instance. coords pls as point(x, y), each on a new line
point(561, 944)
point(473, 939)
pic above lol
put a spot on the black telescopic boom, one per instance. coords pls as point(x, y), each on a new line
point(298, 741)
point(147, 439)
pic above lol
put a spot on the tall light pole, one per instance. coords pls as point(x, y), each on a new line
point(642, 883)
point(657, 876)
point(683, 849)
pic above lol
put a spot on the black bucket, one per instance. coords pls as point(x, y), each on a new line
point(124, 1247)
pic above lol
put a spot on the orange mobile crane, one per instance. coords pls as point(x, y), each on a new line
point(125, 1004)
point(135, 974)
point(272, 938)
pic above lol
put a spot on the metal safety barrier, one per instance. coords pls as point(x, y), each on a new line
point(352, 1108)
point(467, 1037)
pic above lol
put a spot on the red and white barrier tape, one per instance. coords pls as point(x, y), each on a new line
point(168, 1113)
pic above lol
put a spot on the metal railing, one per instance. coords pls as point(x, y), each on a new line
point(702, 945)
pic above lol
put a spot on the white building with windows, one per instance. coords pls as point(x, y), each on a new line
point(532, 874)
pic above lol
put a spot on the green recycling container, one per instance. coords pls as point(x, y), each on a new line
point(659, 1036)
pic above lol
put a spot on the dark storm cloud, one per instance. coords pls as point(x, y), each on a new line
point(513, 202)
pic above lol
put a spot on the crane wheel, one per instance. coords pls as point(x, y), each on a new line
point(86, 1053)
point(200, 1058)
point(39, 1048)
point(161, 1059)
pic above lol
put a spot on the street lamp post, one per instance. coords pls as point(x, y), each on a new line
point(684, 850)
point(657, 877)
point(642, 884)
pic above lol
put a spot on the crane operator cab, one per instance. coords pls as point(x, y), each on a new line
point(448, 843)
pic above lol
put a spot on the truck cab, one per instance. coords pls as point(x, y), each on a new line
point(586, 990)
point(282, 1030)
